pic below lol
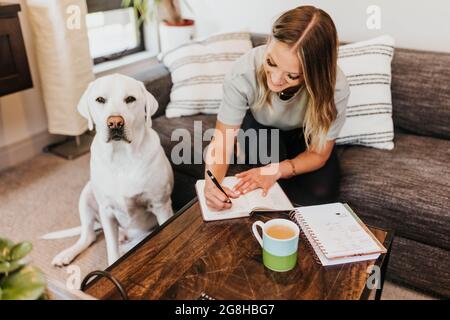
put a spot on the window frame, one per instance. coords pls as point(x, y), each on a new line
point(106, 5)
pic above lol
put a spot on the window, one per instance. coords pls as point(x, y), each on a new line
point(113, 31)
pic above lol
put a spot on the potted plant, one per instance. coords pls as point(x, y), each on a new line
point(173, 29)
point(18, 281)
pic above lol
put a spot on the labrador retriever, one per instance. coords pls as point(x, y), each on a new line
point(131, 179)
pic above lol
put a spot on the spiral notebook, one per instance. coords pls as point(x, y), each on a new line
point(336, 234)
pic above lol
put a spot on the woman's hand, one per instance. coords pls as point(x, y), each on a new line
point(263, 177)
point(215, 199)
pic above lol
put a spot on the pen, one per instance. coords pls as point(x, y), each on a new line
point(214, 180)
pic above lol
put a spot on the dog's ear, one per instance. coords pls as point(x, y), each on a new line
point(151, 105)
point(83, 107)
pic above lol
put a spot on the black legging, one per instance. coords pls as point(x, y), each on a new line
point(315, 187)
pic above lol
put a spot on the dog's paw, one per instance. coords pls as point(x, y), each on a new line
point(62, 259)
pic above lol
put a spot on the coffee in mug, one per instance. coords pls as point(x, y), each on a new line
point(280, 232)
point(279, 243)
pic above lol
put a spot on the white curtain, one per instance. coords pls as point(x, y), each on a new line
point(65, 65)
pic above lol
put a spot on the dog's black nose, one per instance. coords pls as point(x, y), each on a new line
point(115, 122)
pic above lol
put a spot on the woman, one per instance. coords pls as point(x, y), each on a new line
point(293, 84)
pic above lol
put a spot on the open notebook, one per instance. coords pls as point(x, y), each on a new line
point(336, 234)
point(275, 200)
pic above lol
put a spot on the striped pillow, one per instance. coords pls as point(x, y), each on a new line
point(367, 65)
point(198, 69)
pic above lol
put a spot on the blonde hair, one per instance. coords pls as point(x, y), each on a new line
point(313, 33)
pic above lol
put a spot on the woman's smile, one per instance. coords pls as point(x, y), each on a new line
point(275, 86)
point(282, 66)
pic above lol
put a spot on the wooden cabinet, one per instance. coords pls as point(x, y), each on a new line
point(14, 68)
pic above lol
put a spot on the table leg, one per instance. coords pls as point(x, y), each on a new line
point(384, 267)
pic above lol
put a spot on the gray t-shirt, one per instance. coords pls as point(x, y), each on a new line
point(240, 91)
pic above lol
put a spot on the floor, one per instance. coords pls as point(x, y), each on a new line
point(41, 195)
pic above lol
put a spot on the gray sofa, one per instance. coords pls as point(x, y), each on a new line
point(406, 189)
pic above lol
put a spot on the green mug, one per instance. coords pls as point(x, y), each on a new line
point(279, 243)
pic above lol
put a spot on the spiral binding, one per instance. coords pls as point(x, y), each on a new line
point(293, 216)
point(204, 296)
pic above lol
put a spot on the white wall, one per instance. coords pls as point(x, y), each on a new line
point(418, 24)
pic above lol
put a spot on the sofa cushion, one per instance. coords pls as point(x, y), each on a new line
point(191, 126)
point(258, 39)
point(198, 69)
point(420, 92)
point(406, 189)
point(367, 66)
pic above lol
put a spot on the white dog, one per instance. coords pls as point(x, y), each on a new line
point(131, 178)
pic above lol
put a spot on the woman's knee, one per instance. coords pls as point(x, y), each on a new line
point(321, 193)
point(308, 194)
point(315, 188)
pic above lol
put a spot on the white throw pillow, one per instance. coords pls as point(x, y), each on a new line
point(367, 65)
point(198, 69)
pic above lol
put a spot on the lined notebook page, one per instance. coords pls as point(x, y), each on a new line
point(336, 232)
point(275, 199)
point(330, 262)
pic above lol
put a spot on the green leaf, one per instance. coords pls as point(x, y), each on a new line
point(5, 246)
point(8, 267)
point(26, 284)
point(0, 293)
point(20, 250)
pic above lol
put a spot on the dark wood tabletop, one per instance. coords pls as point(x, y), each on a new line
point(188, 256)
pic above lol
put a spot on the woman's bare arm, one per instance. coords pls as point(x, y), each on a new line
point(218, 156)
point(307, 161)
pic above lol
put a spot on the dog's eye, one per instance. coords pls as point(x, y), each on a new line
point(100, 100)
point(130, 99)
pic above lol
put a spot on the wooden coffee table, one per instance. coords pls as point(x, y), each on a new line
point(187, 256)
